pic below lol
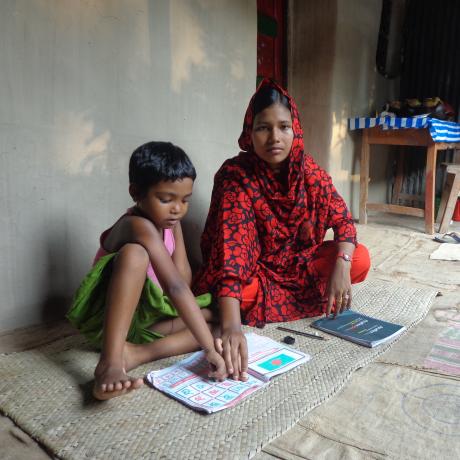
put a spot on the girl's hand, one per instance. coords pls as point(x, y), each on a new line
point(217, 365)
point(235, 353)
point(339, 288)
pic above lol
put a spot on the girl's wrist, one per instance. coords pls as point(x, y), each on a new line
point(207, 345)
point(230, 328)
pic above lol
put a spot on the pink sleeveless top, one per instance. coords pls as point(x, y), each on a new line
point(168, 239)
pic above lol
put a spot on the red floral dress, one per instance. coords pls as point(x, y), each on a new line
point(258, 227)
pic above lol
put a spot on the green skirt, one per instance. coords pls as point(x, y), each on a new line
point(87, 310)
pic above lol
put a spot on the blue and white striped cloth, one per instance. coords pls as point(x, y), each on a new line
point(444, 131)
point(441, 131)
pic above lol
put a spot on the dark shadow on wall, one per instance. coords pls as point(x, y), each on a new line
point(355, 169)
point(56, 272)
point(54, 307)
point(311, 59)
point(192, 229)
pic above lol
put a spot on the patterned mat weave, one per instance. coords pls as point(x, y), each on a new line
point(46, 391)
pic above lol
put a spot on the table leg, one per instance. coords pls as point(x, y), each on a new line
point(364, 179)
point(449, 200)
point(430, 174)
point(444, 198)
point(399, 176)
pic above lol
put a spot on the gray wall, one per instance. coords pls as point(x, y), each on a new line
point(332, 75)
point(82, 83)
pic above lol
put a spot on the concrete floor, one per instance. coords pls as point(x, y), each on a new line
point(400, 253)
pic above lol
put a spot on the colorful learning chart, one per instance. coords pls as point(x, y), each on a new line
point(268, 358)
point(187, 380)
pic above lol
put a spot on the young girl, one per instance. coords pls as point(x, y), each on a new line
point(263, 251)
point(120, 306)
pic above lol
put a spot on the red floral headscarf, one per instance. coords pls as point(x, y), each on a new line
point(272, 187)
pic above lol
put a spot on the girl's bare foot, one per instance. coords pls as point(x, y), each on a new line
point(111, 379)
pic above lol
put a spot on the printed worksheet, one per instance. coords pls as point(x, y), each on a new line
point(187, 380)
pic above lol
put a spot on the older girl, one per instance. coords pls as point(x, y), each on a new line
point(264, 255)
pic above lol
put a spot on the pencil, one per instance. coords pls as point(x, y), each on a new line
point(305, 334)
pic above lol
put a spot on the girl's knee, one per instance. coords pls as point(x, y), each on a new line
point(134, 255)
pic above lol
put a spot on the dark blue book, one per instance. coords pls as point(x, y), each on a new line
point(359, 328)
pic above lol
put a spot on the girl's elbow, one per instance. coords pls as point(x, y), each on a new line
point(176, 288)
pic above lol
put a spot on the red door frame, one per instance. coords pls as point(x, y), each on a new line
point(271, 40)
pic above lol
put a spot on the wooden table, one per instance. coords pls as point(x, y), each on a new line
point(412, 137)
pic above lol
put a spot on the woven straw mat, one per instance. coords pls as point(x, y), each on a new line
point(46, 391)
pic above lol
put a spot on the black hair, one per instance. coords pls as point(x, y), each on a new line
point(267, 96)
point(158, 161)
